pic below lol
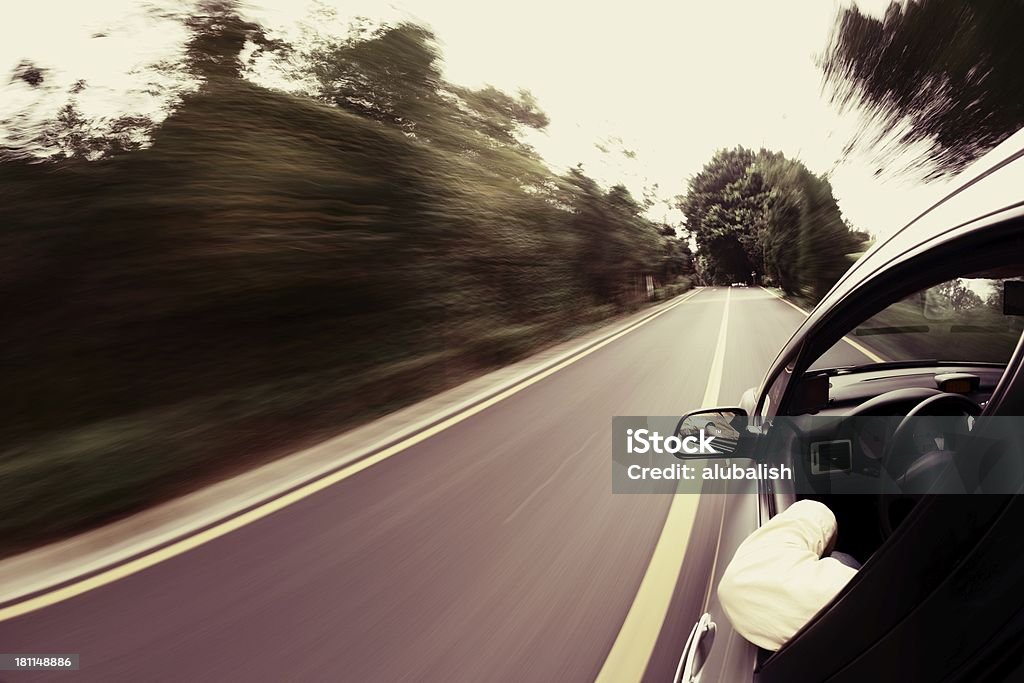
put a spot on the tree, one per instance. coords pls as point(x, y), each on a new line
point(273, 263)
point(390, 74)
point(677, 258)
point(959, 295)
point(218, 38)
point(946, 72)
point(615, 241)
point(762, 213)
point(724, 210)
point(68, 134)
point(499, 115)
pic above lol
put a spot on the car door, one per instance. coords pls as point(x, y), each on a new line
point(930, 603)
point(925, 607)
point(941, 599)
point(714, 652)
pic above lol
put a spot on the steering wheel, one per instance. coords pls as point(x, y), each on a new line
point(913, 471)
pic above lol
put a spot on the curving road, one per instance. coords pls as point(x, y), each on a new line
point(494, 550)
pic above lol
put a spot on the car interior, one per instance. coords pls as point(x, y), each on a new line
point(870, 436)
point(943, 350)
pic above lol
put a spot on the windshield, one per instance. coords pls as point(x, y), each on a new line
point(969, 319)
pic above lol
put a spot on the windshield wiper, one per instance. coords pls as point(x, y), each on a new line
point(900, 329)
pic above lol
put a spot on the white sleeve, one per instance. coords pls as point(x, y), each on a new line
point(778, 580)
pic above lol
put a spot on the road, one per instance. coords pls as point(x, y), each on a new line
point(493, 550)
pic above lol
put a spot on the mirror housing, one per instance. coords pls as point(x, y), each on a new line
point(727, 426)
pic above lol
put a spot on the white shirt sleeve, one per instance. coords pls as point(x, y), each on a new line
point(778, 579)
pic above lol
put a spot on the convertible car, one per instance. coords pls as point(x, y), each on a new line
point(939, 308)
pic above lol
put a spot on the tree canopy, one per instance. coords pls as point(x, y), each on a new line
point(760, 216)
point(263, 262)
point(945, 73)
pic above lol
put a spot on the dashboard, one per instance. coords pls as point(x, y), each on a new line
point(838, 453)
point(846, 391)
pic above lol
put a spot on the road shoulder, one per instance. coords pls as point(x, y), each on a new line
point(42, 569)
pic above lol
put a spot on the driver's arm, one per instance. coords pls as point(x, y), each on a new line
point(778, 579)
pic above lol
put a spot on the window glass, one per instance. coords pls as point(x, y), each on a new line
point(970, 319)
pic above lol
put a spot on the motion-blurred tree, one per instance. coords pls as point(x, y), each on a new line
point(219, 36)
point(947, 70)
point(677, 259)
point(760, 212)
point(271, 259)
point(808, 243)
point(392, 74)
point(615, 241)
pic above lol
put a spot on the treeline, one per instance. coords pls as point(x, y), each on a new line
point(758, 217)
point(264, 266)
point(945, 74)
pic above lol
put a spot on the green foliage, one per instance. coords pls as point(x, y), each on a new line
point(760, 213)
point(219, 37)
point(615, 241)
point(949, 69)
point(808, 244)
point(669, 291)
point(724, 208)
point(391, 74)
point(270, 266)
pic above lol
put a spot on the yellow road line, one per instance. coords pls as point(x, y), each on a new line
point(860, 347)
point(627, 660)
point(177, 548)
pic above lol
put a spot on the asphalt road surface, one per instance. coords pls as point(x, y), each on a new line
point(494, 550)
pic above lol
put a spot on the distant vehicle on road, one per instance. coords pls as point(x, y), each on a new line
point(928, 323)
point(739, 284)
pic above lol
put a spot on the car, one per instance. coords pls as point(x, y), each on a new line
point(937, 311)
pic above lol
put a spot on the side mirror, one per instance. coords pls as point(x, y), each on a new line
point(724, 429)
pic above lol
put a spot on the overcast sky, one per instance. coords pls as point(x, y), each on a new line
point(668, 80)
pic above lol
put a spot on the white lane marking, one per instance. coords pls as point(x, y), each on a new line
point(176, 548)
point(860, 347)
point(631, 651)
point(565, 463)
point(718, 362)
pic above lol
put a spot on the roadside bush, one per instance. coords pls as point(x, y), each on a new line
point(275, 267)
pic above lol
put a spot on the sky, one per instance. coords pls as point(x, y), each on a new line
point(668, 81)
